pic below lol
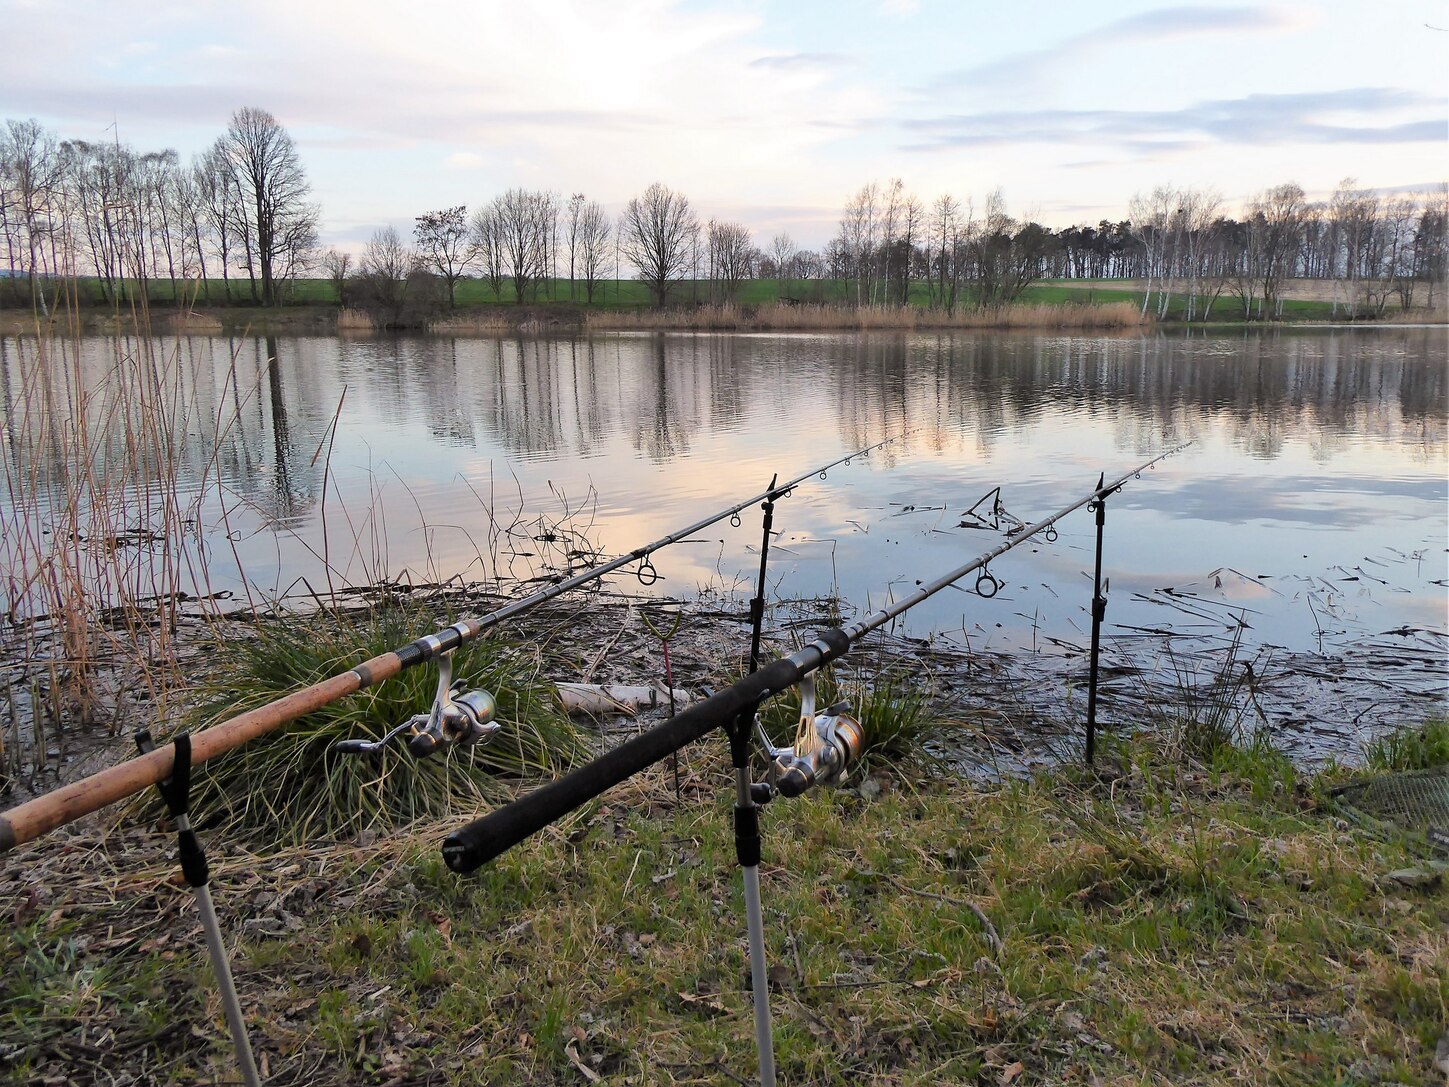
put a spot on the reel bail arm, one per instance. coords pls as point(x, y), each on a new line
point(462, 719)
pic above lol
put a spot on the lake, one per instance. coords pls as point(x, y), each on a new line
point(1308, 515)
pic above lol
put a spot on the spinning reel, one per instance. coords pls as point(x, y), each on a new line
point(826, 745)
point(458, 718)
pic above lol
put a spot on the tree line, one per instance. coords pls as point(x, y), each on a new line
point(237, 221)
point(238, 212)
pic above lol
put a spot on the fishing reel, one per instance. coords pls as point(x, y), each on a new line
point(458, 718)
point(826, 745)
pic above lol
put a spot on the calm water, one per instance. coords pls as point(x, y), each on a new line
point(1311, 506)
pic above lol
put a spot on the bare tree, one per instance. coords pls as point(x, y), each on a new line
point(1151, 219)
point(1353, 212)
point(1276, 216)
point(30, 159)
point(1198, 211)
point(782, 252)
point(1007, 255)
point(858, 232)
point(445, 245)
point(729, 248)
point(593, 244)
point(387, 280)
point(266, 165)
point(1431, 242)
point(656, 234)
point(522, 223)
point(487, 242)
point(575, 213)
point(948, 228)
point(338, 266)
point(902, 253)
point(221, 209)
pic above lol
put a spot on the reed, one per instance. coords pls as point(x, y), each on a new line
point(355, 320)
point(779, 317)
point(99, 543)
point(482, 322)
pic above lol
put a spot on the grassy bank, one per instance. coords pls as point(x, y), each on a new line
point(1181, 922)
point(312, 306)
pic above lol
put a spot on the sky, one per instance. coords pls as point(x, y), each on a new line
point(769, 113)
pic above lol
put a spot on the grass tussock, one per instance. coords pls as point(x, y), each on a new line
point(780, 317)
point(289, 785)
point(1414, 747)
point(1173, 923)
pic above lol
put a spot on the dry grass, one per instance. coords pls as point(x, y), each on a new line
point(1421, 315)
point(193, 324)
point(780, 317)
point(354, 320)
point(482, 322)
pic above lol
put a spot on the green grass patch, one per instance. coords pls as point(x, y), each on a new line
point(1413, 747)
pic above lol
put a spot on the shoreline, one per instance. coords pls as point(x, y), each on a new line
point(542, 320)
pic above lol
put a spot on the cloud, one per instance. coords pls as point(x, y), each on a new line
point(1256, 119)
point(464, 160)
point(792, 62)
point(1162, 24)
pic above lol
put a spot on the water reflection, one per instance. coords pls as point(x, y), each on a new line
point(663, 419)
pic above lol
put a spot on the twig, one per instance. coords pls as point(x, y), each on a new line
point(987, 928)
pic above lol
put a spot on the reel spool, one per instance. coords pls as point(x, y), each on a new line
point(826, 745)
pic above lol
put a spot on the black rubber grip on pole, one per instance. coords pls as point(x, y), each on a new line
point(193, 858)
point(483, 839)
point(747, 836)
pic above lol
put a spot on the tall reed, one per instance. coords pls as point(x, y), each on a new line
point(100, 543)
point(777, 316)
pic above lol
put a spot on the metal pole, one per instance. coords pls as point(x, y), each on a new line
point(176, 792)
point(1099, 611)
point(221, 967)
point(748, 846)
point(757, 605)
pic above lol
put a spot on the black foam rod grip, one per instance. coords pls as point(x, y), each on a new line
point(480, 841)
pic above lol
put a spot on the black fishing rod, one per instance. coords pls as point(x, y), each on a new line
point(455, 719)
point(473, 845)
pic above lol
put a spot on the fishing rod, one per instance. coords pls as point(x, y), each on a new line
point(453, 720)
point(834, 747)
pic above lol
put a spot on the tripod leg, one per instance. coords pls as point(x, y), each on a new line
point(747, 846)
